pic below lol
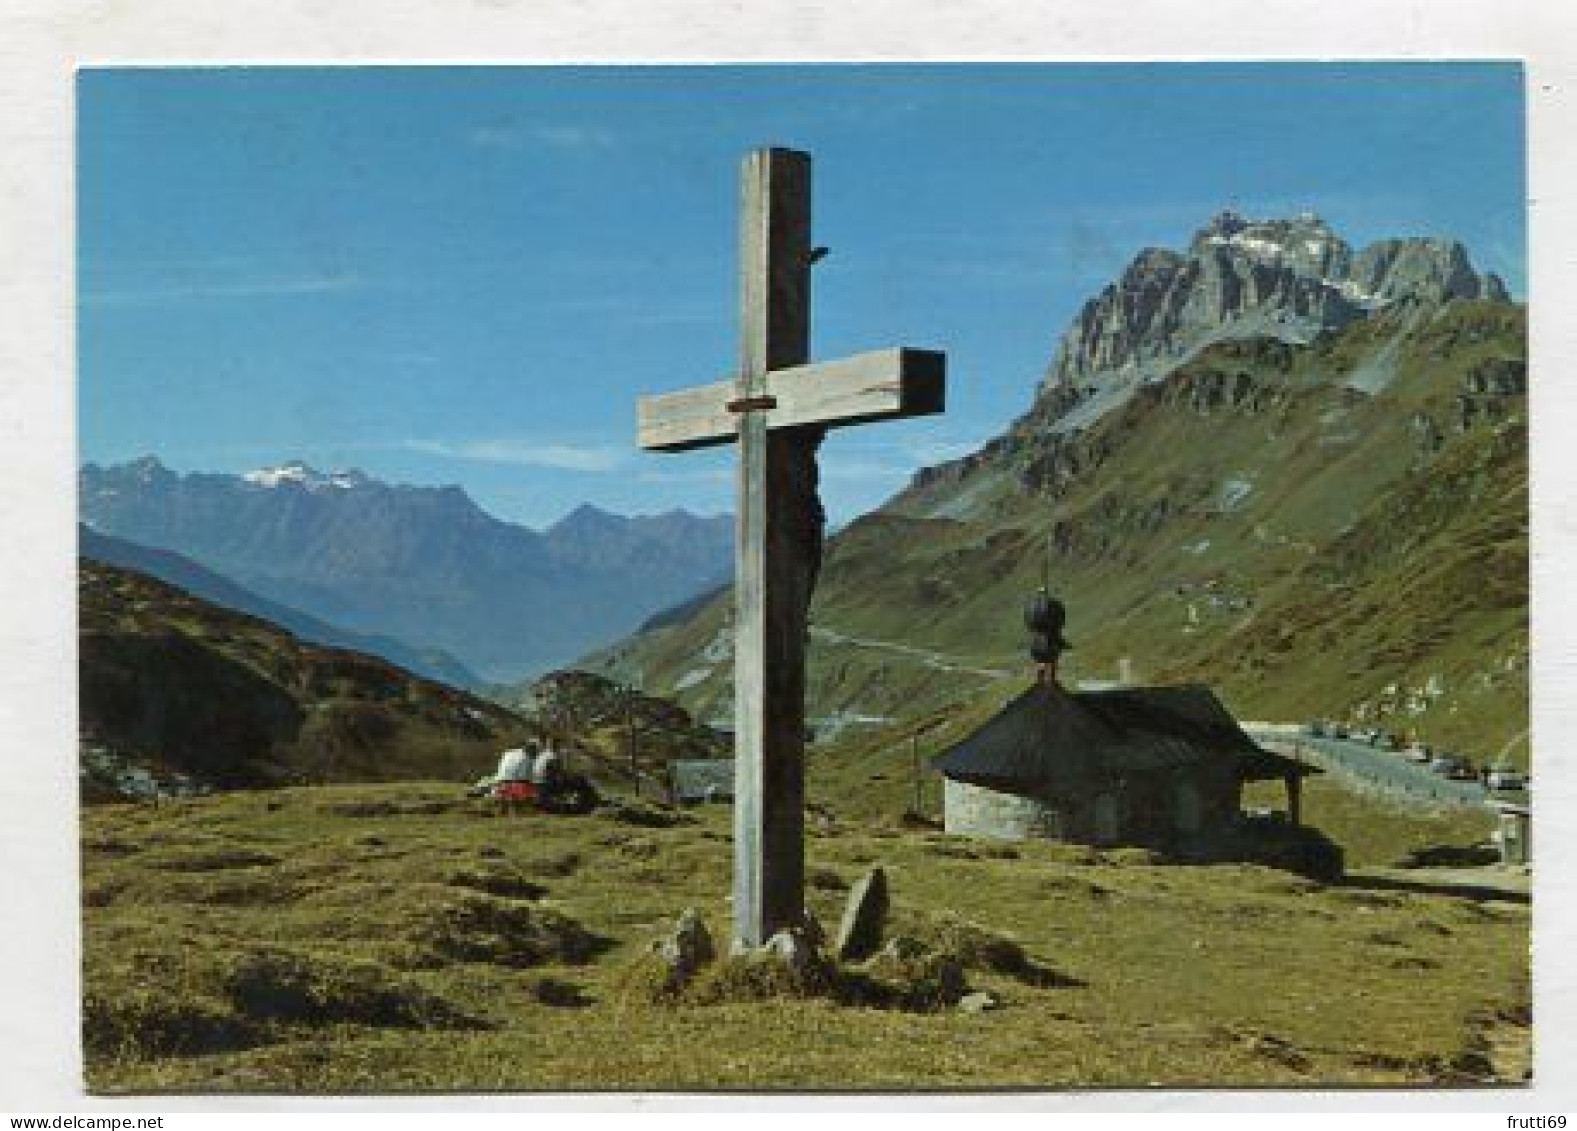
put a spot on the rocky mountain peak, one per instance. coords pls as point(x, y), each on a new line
point(147, 469)
point(1225, 223)
point(1290, 278)
point(1152, 261)
point(1303, 244)
point(1420, 268)
point(586, 517)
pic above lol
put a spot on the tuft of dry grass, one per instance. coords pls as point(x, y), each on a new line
point(918, 979)
point(646, 980)
point(207, 858)
point(756, 978)
point(480, 928)
point(148, 1021)
point(145, 1005)
point(286, 985)
point(509, 882)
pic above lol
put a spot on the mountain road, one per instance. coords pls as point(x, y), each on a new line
point(1374, 768)
point(941, 661)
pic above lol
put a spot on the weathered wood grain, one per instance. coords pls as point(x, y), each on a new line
point(769, 579)
point(887, 384)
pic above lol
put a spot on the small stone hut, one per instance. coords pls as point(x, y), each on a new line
point(1160, 767)
point(1156, 766)
point(702, 779)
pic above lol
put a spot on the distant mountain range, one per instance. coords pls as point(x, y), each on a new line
point(1268, 462)
point(415, 570)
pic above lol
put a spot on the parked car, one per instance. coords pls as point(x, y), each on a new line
point(1263, 814)
point(1506, 777)
point(1318, 728)
point(1418, 752)
point(1446, 765)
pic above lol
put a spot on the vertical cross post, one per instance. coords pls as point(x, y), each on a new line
point(772, 576)
point(777, 407)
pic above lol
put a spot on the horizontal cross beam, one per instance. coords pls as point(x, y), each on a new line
point(880, 385)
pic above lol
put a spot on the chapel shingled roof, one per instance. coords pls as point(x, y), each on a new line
point(1047, 734)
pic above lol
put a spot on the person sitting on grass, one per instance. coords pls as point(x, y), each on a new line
point(547, 767)
point(515, 781)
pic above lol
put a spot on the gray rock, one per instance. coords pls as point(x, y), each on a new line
point(977, 1002)
point(795, 951)
point(814, 933)
point(1433, 270)
point(860, 932)
point(904, 948)
point(688, 947)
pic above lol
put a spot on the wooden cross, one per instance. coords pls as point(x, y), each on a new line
point(777, 410)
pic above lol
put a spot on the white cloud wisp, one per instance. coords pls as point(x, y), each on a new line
point(590, 458)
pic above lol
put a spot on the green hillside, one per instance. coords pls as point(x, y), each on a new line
point(174, 684)
point(1335, 529)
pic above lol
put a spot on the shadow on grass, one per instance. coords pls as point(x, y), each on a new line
point(1479, 893)
point(560, 993)
point(922, 976)
point(926, 987)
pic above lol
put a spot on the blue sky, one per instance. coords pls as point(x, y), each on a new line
point(467, 275)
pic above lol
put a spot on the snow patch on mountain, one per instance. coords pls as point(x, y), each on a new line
point(298, 474)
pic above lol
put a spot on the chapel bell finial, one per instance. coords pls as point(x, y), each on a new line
point(1044, 616)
